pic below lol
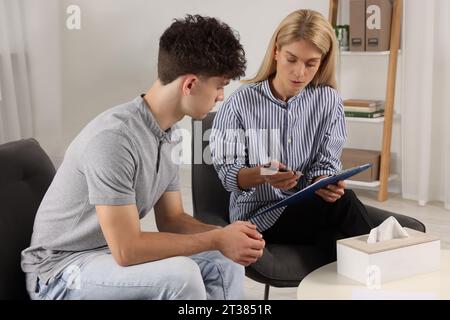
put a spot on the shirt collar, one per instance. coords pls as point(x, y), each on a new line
point(151, 121)
point(271, 96)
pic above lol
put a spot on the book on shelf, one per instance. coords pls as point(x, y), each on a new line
point(369, 115)
point(363, 109)
point(364, 103)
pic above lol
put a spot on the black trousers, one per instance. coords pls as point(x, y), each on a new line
point(317, 222)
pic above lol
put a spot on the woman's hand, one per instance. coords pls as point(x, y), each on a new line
point(332, 192)
point(283, 180)
point(280, 178)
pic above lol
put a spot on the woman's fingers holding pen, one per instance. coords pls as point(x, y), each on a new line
point(283, 180)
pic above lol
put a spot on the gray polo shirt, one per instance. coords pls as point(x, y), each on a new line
point(122, 157)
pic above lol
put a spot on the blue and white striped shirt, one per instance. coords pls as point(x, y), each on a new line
point(252, 127)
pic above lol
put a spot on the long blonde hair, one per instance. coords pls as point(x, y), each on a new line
point(303, 25)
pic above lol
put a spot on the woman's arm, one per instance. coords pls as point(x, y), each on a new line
point(327, 159)
point(227, 145)
point(249, 178)
point(230, 159)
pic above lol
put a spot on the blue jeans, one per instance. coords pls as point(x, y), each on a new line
point(207, 275)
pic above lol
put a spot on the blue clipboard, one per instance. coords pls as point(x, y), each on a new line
point(310, 190)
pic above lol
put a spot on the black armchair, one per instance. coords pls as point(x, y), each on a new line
point(281, 265)
point(25, 175)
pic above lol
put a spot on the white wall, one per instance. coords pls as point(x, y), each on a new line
point(42, 32)
point(112, 58)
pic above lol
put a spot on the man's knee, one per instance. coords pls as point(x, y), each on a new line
point(233, 270)
point(223, 278)
point(235, 274)
point(187, 283)
point(225, 265)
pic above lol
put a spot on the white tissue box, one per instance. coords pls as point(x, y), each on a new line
point(388, 260)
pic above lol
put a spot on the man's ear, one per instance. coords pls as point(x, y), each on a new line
point(189, 82)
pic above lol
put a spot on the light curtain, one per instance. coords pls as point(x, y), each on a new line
point(426, 107)
point(15, 101)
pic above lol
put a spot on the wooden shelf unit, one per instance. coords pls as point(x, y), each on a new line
point(390, 90)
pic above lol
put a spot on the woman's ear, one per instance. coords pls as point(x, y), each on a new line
point(276, 53)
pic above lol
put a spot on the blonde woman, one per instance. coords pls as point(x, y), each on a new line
point(290, 114)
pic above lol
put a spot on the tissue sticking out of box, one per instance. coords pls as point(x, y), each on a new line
point(388, 230)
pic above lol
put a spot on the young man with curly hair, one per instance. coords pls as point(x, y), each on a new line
point(87, 242)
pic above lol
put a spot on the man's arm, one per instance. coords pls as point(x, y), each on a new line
point(129, 245)
point(170, 216)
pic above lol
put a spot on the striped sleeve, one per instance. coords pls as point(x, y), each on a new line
point(227, 143)
point(327, 160)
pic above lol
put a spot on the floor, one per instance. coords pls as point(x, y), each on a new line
point(434, 216)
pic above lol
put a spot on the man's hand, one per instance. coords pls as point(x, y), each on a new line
point(241, 242)
point(332, 192)
point(283, 180)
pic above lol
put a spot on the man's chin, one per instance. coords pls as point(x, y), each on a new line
point(199, 117)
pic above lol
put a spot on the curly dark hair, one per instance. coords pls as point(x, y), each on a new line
point(202, 46)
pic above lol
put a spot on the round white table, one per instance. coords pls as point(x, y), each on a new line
point(326, 284)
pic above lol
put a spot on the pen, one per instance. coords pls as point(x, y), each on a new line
point(297, 173)
point(287, 169)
